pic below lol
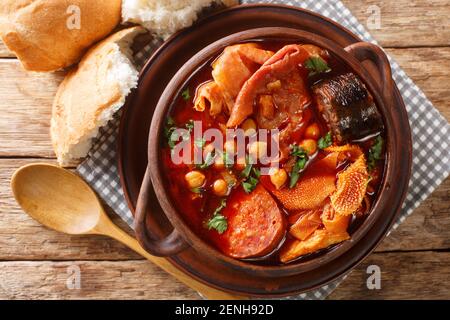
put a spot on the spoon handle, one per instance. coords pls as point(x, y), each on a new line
point(208, 292)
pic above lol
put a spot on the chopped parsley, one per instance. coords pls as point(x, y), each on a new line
point(218, 221)
point(375, 153)
point(228, 160)
point(198, 190)
point(200, 142)
point(246, 172)
point(190, 125)
point(172, 135)
point(209, 160)
point(252, 180)
point(325, 141)
point(301, 158)
point(169, 128)
point(186, 95)
point(316, 65)
point(250, 184)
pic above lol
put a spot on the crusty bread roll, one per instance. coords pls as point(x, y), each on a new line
point(46, 35)
point(165, 17)
point(91, 93)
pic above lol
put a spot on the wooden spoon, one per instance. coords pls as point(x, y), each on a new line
point(62, 201)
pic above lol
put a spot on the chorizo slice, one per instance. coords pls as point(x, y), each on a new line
point(255, 224)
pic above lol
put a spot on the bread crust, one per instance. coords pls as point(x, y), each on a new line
point(84, 94)
point(37, 30)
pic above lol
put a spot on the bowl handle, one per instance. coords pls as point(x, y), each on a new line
point(368, 51)
point(172, 244)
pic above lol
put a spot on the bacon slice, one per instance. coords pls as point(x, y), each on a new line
point(235, 66)
point(290, 99)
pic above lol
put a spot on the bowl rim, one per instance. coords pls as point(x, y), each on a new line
point(166, 101)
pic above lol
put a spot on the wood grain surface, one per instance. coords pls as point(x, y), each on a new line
point(34, 261)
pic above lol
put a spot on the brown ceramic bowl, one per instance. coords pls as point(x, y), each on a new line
point(182, 236)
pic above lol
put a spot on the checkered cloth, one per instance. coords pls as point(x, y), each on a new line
point(430, 134)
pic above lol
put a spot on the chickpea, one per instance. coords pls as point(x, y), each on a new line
point(220, 187)
point(249, 127)
point(312, 131)
point(257, 149)
point(195, 179)
point(278, 177)
point(309, 145)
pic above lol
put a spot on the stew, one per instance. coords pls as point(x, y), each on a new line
point(326, 141)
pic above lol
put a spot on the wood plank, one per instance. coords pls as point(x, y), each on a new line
point(406, 23)
point(429, 68)
point(413, 275)
point(4, 51)
point(25, 105)
point(26, 98)
point(426, 229)
point(402, 274)
point(99, 280)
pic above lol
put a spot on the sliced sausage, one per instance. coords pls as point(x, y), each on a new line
point(255, 224)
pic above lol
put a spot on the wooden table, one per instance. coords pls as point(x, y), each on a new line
point(414, 260)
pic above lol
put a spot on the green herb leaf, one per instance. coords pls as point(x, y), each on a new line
point(186, 95)
point(325, 141)
point(200, 142)
point(218, 221)
point(256, 172)
point(295, 173)
point(169, 128)
point(250, 184)
point(228, 160)
point(375, 153)
point(301, 158)
point(222, 205)
point(190, 125)
point(252, 176)
point(246, 172)
point(316, 65)
point(297, 151)
point(198, 190)
point(209, 160)
point(170, 122)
